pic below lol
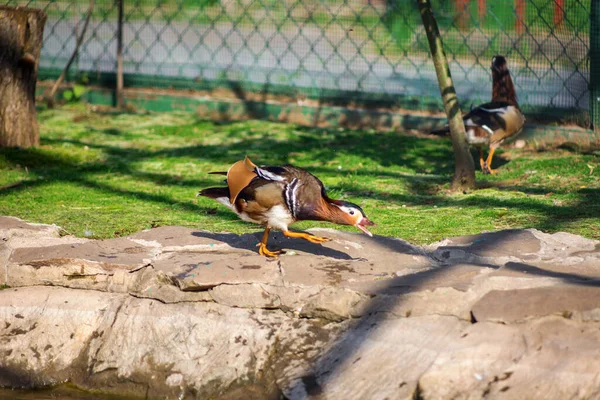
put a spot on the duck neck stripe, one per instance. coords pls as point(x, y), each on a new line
point(290, 196)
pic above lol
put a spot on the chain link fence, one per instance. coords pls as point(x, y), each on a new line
point(341, 51)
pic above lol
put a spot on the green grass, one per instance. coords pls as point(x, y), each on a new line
point(105, 175)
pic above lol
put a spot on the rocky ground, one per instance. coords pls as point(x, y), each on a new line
point(182, 313)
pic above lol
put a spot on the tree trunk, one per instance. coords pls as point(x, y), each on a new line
point(21, 34)
point(464, 172)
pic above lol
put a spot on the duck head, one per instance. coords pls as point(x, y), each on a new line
point(346, 213)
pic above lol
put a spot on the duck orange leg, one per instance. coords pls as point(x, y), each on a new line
point(488, 163)
point(481, 160)
point(306, 236)
point(262, 246)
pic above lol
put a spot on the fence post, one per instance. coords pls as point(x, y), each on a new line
point(461, 9)
point(119, 92)
point(595, 65)
point(520, 16)
point(481, 10)
point(559, 13)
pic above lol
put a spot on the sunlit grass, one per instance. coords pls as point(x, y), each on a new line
point(110, 174)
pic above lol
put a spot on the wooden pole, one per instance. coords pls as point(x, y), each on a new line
point(595, 65)
point(559, 12)
point(119, 91)
point(464, 170)
point(461, 8)
point(520, 16)
point(481, 10)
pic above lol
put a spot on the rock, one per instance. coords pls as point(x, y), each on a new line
point(87, 258)
point(509, 306)
point(174, 312)
point(562, 361)
point(251, 295)
point(11, 226)
point(333, 304)
point(378, 358)
point(105, 340)
point(45, 332)
point(489, 248)
point(211, 346)
point(4, 256)
point(585, 271)
point(443, 301)
point(478, 356)
point(528, 245)
point(201, 271)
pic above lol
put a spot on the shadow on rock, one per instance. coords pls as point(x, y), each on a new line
point(565, 277)
point(277, 241)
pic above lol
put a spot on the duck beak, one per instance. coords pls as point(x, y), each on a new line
point(363, 223)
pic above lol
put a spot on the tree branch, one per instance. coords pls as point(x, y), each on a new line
point(49, 99)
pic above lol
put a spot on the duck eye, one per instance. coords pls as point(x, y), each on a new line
point(351, 212)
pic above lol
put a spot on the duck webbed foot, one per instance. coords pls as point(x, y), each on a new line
point(487, 167)
point(263, 251)
point(306, 236)
point(262, 246)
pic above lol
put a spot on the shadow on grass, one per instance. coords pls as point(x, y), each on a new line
point(433, 158)
point(383, 149)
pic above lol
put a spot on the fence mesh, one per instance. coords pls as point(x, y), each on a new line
point(344, 50)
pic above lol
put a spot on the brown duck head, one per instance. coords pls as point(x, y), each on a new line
point(347, 213)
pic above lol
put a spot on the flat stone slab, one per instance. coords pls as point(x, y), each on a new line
point(569, 301)
point(106, 255)
point(194, 271)
point(174, 312)
point(10, 226)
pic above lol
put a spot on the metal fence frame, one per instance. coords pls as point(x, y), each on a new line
point(376, 57)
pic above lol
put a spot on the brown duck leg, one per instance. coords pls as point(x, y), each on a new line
point(262, 246)
point(488, 163)
point(481, 160)
point(306, 236)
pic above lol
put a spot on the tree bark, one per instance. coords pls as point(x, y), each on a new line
point(21, 34)
point(464, 172)
point(50, 97)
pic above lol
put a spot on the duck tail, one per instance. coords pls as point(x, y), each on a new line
point(443, 131)
point(214, 193)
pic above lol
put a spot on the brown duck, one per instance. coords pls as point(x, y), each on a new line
point(490, 124)
point(278, 196)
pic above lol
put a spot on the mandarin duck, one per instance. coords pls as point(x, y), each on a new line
point(490, 124)
point(278, 196)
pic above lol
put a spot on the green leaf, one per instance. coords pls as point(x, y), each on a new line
point(78, 91)
point(68, 95)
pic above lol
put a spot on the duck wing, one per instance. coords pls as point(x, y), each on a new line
point(487, 116)
point(499, 119)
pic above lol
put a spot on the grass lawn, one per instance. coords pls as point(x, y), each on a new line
point(105, 174)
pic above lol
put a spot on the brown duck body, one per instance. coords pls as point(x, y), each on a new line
point(491, 124)
point(278, 203)
point(278, 196)
point(502, 117)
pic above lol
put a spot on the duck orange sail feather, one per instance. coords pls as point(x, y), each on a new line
point(239, 176)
